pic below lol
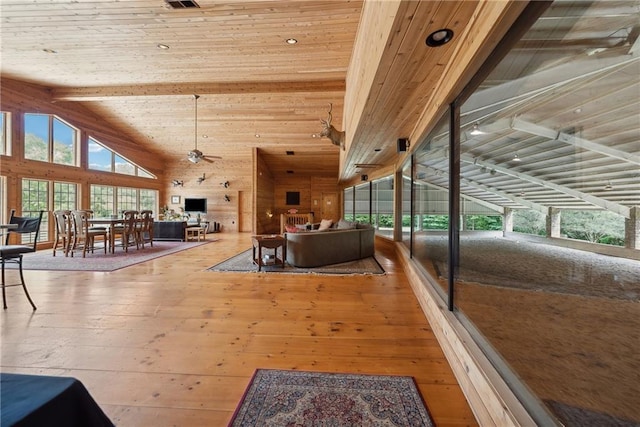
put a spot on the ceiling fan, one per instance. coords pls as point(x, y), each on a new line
point(195, 155)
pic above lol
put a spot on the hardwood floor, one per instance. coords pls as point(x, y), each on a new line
point(167, 343)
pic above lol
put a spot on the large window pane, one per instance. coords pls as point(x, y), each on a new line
point(36, 137)
point(124, 166)
point(64, 143)
point(127, 199)
point(363, 203)
point(65, 196)
point(102, 200)
point(4, 133)
point(100, 158)
point(431, 203)
point(382, 206)
point(348, 210)
point(149, 200)
point(547, 142)
point(35, 197)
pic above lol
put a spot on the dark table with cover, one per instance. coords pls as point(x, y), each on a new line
point(34, 400)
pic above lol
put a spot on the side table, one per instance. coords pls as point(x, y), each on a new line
point(270, 241)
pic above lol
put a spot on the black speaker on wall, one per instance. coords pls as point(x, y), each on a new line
point(403, 144)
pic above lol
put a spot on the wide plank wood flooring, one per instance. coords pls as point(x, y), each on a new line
point(167, 343)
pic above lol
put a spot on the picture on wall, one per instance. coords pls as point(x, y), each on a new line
point(293, 198)
point(175, 200)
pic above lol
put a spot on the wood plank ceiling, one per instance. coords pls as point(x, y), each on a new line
point(258, 90)
point(255, 88)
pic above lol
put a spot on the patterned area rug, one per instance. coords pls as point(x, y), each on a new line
point(295, 398)
point(244, 263)
point(98, 261)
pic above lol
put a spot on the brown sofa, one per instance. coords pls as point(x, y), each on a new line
point(316, 248)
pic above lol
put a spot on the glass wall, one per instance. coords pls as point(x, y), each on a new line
point(362, 197)
point(431, 203)
point(382, 206)
point(348, 208)
point(548, 181)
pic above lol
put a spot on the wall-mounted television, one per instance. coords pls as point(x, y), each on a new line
point(195, 205)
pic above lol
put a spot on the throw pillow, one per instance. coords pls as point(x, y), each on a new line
point(290, 228)
point(325, 224)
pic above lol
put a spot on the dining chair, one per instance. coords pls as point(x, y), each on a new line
point(145, 227)
point(127, 231)
point(28, 228)
point(64, 231)
point(84, 236)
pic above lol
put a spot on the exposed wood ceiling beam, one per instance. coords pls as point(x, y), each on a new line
point(533, 129)
point(100, 93)
point(596, 201)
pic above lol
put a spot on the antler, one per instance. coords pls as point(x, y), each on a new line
point(330, 116)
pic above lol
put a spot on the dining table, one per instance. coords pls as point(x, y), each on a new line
point(111, 223)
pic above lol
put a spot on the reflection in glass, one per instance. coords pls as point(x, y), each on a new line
point(431, 203)
point(382, 206)
point(548, 182)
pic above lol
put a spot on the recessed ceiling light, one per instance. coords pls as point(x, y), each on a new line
point(291, 41)
point(313, 135)
point(49, 51)
point(439, 37)
point(257, 135)
point(163, 46)
point(516, 158)
point(205, 136)
point(476, 130)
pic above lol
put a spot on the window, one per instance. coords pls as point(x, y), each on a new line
point(348, 204)
point(65, 196)
point(5, 132)
point(35, 197)
point(102, 200)
point(49, 139)
point(103, 159)
point(382, 206)
point(106, 200)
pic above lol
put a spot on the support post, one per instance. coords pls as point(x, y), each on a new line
point(507, 221)
point(553, 222)
point(632, 229)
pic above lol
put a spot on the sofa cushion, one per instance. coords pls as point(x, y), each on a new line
point(345, 225)
point(325, 224)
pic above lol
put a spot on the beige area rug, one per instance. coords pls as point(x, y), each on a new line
point(243, 263)
point(98, 261)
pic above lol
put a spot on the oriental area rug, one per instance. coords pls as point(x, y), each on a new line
point(99, 261)
point(243, 263)
point(298, 398)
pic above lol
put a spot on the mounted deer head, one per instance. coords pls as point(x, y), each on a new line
point(328, 131)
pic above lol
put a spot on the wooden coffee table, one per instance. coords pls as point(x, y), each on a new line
point(271, 241)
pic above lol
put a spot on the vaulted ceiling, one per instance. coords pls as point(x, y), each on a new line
point(139, 63)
